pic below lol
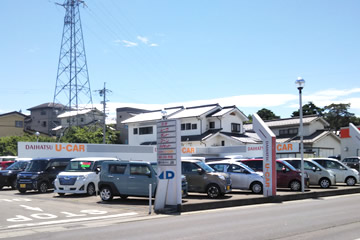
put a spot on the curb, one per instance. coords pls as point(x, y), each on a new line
point(260, 200)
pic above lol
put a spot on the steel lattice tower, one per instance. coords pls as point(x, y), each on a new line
point(72, 82)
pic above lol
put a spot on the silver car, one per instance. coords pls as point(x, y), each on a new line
point(343, 173)
point(318, 175)
point(242, 177)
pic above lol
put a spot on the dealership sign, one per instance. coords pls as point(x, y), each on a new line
point(269, 155)
point(354, 133)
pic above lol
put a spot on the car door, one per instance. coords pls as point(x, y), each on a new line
point(140, 178)
point(313, 171)
point(282, 175)
point(339, 170)
point(193, 177)
point(241, 176)
point(116, 175)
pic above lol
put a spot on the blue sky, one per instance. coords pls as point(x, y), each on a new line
point(161, 53)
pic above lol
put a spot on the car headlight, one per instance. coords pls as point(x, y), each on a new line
point(34, 176)
point(80, 178)
point(222, 177)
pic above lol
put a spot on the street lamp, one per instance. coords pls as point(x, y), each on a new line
point(300, 82)
point(37, 136)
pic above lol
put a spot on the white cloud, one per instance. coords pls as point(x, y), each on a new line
point(154, 45)
point(129, 44)
point(143, 39)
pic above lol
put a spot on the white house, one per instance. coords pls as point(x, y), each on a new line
point(318, 140)
point(206, 125)
point(80, 118)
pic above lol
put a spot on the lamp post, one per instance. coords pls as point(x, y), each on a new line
point(300, 82)
point(37, 136)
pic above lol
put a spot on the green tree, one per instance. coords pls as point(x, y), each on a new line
point(309, 109)
point(8, 145)
point(90, 135)
point(267, 114)
point(337, 115)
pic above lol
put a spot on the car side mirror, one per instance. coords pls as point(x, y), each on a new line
point(97, 170)
point(200, 171)
point(283, 170)
point(314, 169)
point(148, 174)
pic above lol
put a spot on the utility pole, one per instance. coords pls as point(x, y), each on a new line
point(102, 93)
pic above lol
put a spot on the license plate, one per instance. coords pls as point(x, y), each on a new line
point(22, 185)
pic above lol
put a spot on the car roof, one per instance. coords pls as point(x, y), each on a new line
point(94, 159)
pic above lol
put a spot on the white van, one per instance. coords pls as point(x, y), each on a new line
point(80, 176)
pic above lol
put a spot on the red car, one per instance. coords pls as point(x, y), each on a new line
point(5, 164)
point(286, 175)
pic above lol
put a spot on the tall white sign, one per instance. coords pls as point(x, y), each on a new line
point(269, 155)
point(168, 192)
point(354, 133)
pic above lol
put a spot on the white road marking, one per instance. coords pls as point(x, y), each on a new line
point(32, 208)
point(16, 200)
point(73, 220)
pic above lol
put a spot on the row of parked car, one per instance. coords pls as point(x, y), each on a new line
point(215, 177)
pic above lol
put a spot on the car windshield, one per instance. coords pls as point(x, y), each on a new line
point(155, 167)
point(36, 166)
point(80, 166)
point(205, 167)
point(288, 165)
point(247, 168)
point(18, 165)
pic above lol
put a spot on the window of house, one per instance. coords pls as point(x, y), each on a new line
point(43, 112)
point(211, 124)
point(145, 130)
point(235, 127)
point(19, 124)
point(291, 131)
point(81, 119)
point(222, 143)
point(68, 120)
point(43, 124)
point(182, 126)
point(194, 126)
point(188, 126)
point(135, 130)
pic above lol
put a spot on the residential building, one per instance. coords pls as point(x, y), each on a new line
point(318, 140)
point(80, 118)
point(12, 124)
point(206, 126)
point(123, 114)
point(43, 118)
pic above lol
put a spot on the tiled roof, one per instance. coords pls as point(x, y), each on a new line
point(151, 116)
point(285, 122)
point(76, 113)
point(195, 111)
point(48, 105)
point(14, 112)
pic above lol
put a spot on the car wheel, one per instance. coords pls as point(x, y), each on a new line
point(90, 189)
point(324, 183)
point(43, 187)
point(213, 191)
point(295, 185)
point(22, 190)
point(106, 194)
point(256, 187)
point(13, 185)
point(61, 194)
point(350, 181)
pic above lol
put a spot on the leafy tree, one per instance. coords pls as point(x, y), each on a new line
point(337, 115)
point(267, 114)
point(309, 109)
point(250, 119)
point(90, 135)
point(8, 145)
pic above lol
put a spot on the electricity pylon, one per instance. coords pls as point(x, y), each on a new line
point(72, 81)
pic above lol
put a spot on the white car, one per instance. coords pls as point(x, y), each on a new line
point(343, 173)
point(80, 176)
point(242, 177)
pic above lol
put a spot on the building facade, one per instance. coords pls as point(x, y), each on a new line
point(12, 124)
point(349, 147)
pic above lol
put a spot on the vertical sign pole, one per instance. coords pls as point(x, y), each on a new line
point(269, 155)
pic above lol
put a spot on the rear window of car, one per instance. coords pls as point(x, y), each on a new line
point(117, 169)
